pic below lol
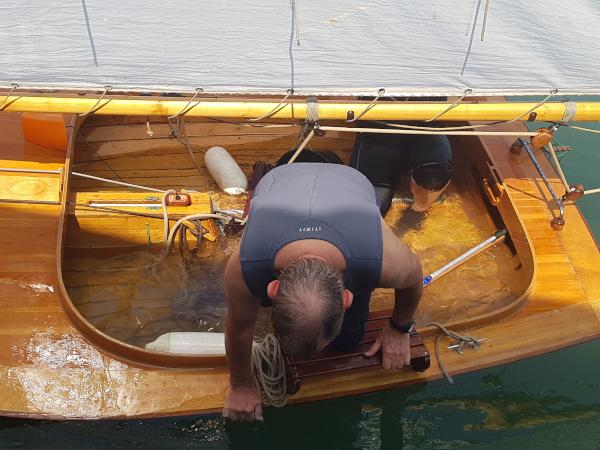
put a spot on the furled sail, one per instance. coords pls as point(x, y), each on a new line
point(416, 47)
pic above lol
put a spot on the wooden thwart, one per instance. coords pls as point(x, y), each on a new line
point(329, 361)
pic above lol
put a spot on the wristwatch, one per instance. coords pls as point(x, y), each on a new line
point(402, 328)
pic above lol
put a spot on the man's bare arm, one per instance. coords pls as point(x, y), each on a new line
point(401, 270)
point(243, 400)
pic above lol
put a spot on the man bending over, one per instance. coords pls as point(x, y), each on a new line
point(314, 248)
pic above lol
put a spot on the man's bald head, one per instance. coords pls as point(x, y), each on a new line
point(308, 308)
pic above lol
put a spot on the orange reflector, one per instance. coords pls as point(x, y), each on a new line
point(47, 130)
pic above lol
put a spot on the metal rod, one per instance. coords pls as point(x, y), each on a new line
point(19, 170)
point(121, 183)
point(30, 202)
point(591, 191)
point(460, 260)
point(535, 162)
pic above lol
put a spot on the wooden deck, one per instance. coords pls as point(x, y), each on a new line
point(49, 370)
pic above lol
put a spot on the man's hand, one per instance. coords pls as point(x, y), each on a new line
point(395, 347)
point(243, 404)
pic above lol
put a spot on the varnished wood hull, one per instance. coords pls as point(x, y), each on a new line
point(55, 364)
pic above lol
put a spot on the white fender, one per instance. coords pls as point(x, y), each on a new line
point(191, 343)
point(225, 171)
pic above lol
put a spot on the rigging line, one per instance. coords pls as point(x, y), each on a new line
point(462, 72)
point(89, 32)
point(97, 106)
point(189, 147)
point(416, 127)
point(452, 106)
point(577, 127)
point(485, 17)
point(558, 168)
point(276, 109)
point(187, 108)
point(304, 143)
point(85, 141)
point(591, 191)
point(5, 101)
point(295, 28)
point(175, 133)
point(450, 133)
point(553, 92)
point(258, 125)
point(369, 107)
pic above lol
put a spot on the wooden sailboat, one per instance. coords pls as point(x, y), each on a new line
point(84, 289)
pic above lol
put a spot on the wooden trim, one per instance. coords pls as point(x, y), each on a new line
point(146, 358)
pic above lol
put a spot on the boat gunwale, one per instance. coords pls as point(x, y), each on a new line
point(141, 357)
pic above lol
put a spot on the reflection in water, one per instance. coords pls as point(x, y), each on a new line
point(136, 297)
point(517, 406)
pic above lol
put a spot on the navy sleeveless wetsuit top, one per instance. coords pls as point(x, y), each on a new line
point(297, 201)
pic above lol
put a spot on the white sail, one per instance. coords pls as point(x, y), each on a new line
point(415, 47)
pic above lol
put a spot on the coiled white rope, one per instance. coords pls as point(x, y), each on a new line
point(173, 232)
point(268, 369)
point(165, 214)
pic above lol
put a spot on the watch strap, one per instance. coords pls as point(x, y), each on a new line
point(402, 328)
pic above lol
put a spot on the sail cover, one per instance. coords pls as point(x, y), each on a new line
point(355, 47)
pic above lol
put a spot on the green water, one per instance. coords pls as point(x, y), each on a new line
point(551, 401)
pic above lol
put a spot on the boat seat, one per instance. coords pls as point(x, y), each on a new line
point(329, 361)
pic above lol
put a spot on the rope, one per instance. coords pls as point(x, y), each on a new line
point(180, 125)
point(460, 341)
point(468, 127)
point(97, 106)
point(5, 101)
point(173, 232)
point(165, 214)
point(276, 109)
point(296, 20)
point(306, 141)
point(589, 130)
point(411, 131)
point(485, 17)
point(591, 191)
point(452, 106)
point(295, 28)
point(416, 127)
point(369, 107)
point(553, 92)
point(557, 167)
point(570, 111)
point(312, 109)
point(268, 369)
point(187, 108)
point(188, 145)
